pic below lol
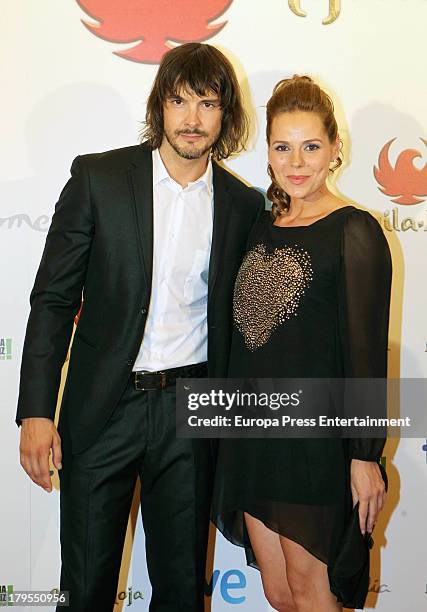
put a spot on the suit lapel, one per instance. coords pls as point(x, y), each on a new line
point(141, 185)
point(222, 204)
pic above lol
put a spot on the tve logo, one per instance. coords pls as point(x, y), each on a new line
point(230, 585)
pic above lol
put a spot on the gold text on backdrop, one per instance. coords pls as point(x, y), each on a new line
point(334, 10)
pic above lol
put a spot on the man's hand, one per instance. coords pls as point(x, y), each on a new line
point(367, 487)
point(38, 436)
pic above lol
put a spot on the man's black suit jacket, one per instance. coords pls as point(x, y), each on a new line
point(100, 243)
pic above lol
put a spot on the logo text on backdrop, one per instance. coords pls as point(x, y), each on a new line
point(405, 184)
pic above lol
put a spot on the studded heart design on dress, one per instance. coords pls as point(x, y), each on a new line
point(268, 290)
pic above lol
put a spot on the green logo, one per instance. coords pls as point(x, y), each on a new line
point(5, 348)
point(6, 594)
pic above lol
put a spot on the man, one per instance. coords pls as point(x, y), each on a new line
point(152, 236)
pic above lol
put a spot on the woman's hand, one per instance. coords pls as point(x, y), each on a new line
point(367, 488)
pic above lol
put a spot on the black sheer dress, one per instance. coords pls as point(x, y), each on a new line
point(309, 302)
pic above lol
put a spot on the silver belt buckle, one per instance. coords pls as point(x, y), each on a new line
point(139, 381)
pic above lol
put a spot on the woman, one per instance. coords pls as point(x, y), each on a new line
point(311, 300)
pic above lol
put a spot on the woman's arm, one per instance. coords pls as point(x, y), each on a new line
point(364, 300)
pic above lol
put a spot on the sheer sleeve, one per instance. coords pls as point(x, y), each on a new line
point(363, 310)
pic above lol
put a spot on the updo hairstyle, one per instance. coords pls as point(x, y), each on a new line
point(299, 93)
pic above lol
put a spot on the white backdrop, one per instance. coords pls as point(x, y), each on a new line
point(65, 92)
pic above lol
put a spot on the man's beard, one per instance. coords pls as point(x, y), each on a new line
point(192, 152)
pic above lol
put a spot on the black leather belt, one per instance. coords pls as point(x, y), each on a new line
point(152, 381)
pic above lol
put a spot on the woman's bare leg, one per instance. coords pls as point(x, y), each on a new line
point(293, 579)
point(271, 561)
point(308, 579)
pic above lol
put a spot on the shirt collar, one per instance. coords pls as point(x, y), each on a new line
point(161, 174)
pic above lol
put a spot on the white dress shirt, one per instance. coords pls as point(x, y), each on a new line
point(176, 328)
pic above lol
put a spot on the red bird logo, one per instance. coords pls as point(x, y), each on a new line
point(152, 23)
point(406, 183)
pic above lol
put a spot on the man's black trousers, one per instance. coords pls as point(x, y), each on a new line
point(97, 487)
